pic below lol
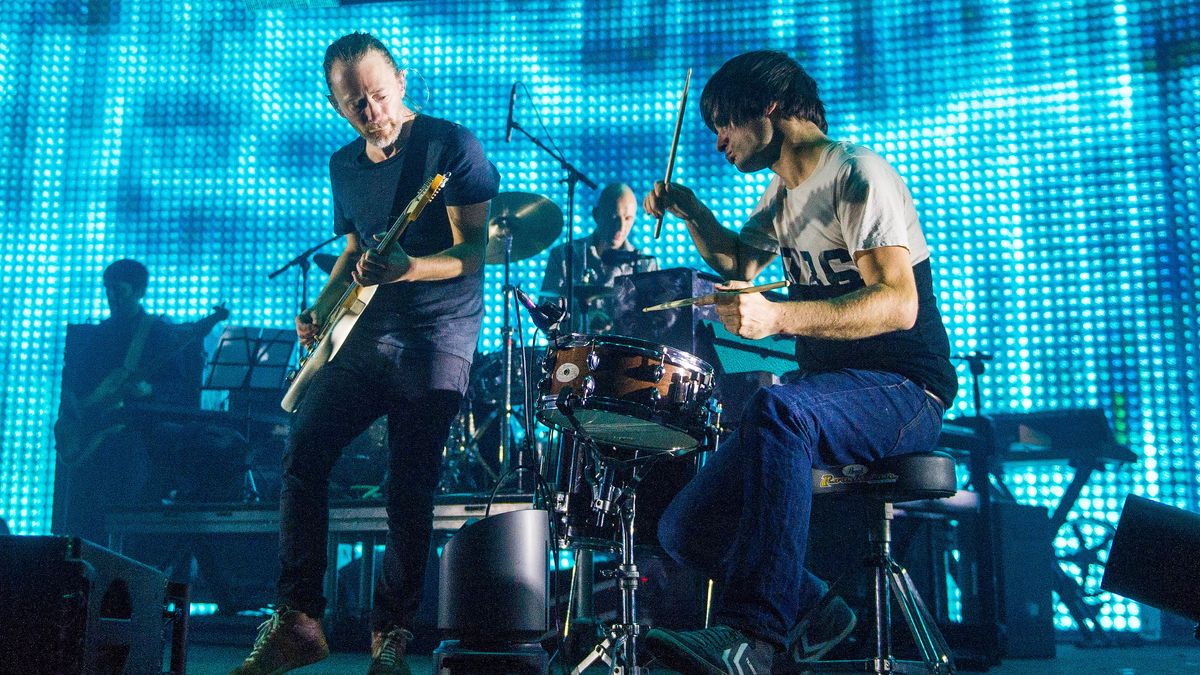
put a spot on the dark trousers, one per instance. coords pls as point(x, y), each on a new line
point(743, 520)
point(344, 398)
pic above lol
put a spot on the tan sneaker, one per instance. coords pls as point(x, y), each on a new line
point(387, 652)
point(286, 641)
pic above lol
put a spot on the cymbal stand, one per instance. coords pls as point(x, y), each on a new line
point(574, 176)
point(506, 332)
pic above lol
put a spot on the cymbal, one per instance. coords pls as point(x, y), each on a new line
point(324, 262)
point(533, 221)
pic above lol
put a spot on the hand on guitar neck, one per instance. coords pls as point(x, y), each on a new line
point(381, 268)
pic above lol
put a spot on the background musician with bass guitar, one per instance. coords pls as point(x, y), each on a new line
point(132, 357)
point(406, 356)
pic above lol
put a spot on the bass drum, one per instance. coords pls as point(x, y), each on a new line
point(629, 394)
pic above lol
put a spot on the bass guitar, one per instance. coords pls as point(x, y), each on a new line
point(335, 327)
point(84, 422)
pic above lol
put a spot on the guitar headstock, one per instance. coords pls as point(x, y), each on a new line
point(425, 195)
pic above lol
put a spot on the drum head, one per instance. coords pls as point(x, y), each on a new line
point(622, 431)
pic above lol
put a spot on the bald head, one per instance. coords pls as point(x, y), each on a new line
point(614, 213)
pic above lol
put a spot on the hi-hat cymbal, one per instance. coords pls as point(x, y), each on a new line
point(324, 262)
point(533, 221)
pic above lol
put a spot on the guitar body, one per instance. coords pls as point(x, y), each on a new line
point(323, 350)
point(337, 325)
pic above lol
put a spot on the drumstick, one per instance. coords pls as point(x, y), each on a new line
point(674, 146)
point(712, 297)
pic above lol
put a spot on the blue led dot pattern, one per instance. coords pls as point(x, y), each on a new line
point(1051, 147)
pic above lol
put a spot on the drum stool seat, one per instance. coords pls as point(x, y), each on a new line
point(903, 478)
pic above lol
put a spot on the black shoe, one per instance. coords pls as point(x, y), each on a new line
point(821, 630)
point(713, 651)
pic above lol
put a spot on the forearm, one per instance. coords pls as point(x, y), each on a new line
point(864, 313)
point(460, 260)
point(339, 281)
point(717, 244)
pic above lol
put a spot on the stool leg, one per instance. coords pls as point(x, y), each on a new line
point(881, 538)
point(935, 653)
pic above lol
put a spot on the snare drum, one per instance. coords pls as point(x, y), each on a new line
point(628, 393)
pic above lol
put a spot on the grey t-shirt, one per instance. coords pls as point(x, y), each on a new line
point(853, 201)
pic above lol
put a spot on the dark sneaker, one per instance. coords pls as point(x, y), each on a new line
point(713, 651)
point(821, 630)
point(288, 640)
point(387, 652)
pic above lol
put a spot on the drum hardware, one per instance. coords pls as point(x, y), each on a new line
point(626, 404)
point(530, 223)
point(615, 494)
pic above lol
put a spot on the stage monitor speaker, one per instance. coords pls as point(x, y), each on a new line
point(493, 583)
point(70, 606)
point(1153, 558)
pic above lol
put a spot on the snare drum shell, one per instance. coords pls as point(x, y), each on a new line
point(631, 393)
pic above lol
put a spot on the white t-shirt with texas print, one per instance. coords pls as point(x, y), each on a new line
point(853, 201)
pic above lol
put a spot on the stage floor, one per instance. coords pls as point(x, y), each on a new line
point(1146, 660)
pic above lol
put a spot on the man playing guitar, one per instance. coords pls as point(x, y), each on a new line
point(130, 357)
point(407, 356)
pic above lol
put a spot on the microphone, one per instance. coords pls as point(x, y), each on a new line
point(512, 103)
point(545, 315)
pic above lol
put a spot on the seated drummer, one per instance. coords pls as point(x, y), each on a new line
point(599, 258)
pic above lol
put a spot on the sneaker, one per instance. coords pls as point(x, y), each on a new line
point(821, 630)
point(719, 650)
point(286, 641)
point(387, 652)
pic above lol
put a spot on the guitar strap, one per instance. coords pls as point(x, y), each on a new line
point(134, 354)
point(415, 166)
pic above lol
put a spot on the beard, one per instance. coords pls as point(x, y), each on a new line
point(382, 137)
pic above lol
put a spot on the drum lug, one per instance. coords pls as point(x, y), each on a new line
point(659, 371)
point(679, 389)
point(593, 360)
point(588, 387)
point(655, 395)
point(547, 362)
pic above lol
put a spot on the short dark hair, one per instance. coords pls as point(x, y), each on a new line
point(747, 85)
point(352, 47)
point(128, 271)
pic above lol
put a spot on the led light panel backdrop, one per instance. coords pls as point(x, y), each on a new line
point(1052, 149)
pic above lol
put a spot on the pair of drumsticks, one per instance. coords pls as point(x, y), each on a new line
point(710, 298)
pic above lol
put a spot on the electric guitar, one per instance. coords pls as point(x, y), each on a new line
point(335, 327)
point(84, 423)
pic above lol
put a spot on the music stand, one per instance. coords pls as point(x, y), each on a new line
point(249, 359)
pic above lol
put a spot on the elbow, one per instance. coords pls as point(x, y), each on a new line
point(906, 312)
point(473, 262)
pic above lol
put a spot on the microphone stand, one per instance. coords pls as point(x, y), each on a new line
point(302, 261)
point(574, 176)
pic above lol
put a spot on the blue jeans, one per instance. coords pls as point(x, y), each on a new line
point(743, 520)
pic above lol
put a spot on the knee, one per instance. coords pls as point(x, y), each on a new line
point(673, 533)
point(767, 407)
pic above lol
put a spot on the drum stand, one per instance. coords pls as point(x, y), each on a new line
point(618, 649)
